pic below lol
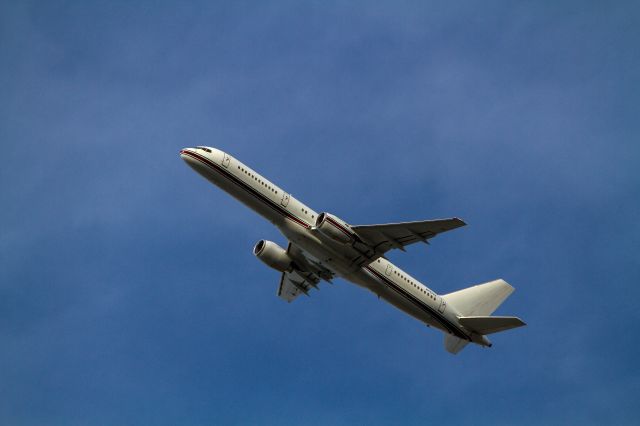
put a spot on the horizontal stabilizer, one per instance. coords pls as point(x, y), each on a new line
point(488, 325)
point(454, 344)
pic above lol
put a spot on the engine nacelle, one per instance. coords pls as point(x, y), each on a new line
point(273, 255)
point(336, 229)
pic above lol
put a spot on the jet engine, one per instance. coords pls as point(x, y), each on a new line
point(273, 255)
point(332, 227)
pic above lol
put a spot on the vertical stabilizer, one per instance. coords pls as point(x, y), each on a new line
point(479, 300)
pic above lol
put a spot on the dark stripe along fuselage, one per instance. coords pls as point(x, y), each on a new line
point(395, 287)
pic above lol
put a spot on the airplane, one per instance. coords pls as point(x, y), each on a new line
point(322, 246)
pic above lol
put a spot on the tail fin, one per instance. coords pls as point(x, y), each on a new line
point(475, 305)
point(479, 300)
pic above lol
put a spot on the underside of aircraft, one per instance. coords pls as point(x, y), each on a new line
point(321, 246)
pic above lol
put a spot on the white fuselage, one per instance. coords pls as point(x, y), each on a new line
point(296, 221)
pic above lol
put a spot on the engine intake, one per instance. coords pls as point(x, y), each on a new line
point(336, 229)
point(273, 255)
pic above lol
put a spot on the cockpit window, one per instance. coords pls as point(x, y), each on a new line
point(204, 148)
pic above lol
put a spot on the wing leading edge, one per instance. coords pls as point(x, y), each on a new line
point(383, 238)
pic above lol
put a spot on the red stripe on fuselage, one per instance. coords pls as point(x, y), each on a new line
point(246, 187)
point(452, 328)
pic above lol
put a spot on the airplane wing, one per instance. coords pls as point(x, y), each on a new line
point(382, 238)
point(305, 276)
point(293, 284)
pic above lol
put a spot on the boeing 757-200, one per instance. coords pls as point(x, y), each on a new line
point(323, 246)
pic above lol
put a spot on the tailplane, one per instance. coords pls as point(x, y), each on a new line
point(489, 325)
point(475, 305)
point(454, 344)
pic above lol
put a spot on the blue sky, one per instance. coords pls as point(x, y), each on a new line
point(128, 290)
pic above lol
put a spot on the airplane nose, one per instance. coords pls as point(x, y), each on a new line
point(185, 155)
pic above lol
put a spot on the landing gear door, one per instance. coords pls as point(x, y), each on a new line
point(285, 199)
point(225, 160)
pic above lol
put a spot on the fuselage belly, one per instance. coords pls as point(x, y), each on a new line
point(296, 222)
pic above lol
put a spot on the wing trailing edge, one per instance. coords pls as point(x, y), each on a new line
point(384, 237)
